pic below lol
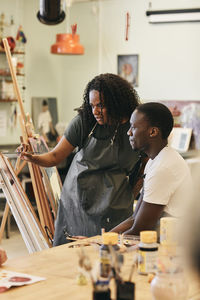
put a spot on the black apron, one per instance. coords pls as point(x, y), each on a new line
point(96, 193)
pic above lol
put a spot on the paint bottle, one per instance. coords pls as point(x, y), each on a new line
point(108, 238)
point(148, 252)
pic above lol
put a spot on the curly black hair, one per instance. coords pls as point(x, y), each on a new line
point(117, 94)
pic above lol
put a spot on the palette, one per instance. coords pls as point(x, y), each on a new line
point(10, 279)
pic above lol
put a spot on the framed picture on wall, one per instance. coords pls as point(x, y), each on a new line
point(127, 67)
point(45, 117)
point(179, 138)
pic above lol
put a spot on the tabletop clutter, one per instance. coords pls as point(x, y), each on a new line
point(120, 260)
point(161, 262)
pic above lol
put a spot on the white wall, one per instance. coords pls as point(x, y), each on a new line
point(169, 63)
point(169, 60)
point(78, 70)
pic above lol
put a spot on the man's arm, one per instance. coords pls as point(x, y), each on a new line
point(146, 218)
point(128, 223)
point(123, 226)
point(156, 197)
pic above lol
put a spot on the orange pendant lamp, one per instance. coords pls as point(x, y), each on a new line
point(68, 43)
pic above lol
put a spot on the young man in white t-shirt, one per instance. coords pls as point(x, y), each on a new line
point(167, 184)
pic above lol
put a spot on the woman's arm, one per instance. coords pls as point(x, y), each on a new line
point(52, 158)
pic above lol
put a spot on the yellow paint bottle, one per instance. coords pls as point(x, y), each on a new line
point(148, 252)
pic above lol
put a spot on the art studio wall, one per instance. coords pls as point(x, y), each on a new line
point(169, 63)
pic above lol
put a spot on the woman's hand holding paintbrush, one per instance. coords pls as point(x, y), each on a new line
point(48, 159)
point(25, 153)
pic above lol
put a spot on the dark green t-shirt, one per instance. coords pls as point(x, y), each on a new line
point(74, 132)
point(127, 157)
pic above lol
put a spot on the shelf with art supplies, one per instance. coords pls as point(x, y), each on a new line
point(6, 85)
point(2, 51)
point(15, 35)
point(17, 48)
point(45, 181)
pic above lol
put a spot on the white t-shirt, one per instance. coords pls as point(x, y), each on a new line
point(168, 182)
point(43, 121)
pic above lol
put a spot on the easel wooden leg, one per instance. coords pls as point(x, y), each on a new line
point(8, 225)
point(3, 222)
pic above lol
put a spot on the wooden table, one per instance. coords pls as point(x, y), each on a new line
point(59, 266)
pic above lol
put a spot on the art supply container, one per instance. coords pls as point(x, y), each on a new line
point(101, 295)
point(168, 231)
point(148, 252)
point(170, 282)
point(125, 290)
point(108, 238)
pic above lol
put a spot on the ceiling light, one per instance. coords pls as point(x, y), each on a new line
point(50, 12)
point(67, 43)
point(174, 15)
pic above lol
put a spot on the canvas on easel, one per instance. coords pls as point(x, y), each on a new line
point(25, 217)
point(51, 177)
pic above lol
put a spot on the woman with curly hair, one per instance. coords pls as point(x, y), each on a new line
point(96, 193)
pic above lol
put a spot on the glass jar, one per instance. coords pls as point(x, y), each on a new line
point(166, 286)
point(170, 282)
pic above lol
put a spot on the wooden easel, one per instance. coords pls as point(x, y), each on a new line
point(44, 210)
point(25, 217)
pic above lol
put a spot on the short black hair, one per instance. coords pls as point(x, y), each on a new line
point(158, 115)
point(44, 103)
point(119, 97)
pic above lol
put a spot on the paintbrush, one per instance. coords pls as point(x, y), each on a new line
point(85, 263)
point(17, 154)
point(134, 264)
point(114, 263)
point(72, 239)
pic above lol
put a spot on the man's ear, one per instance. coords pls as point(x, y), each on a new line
point(154, 131)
